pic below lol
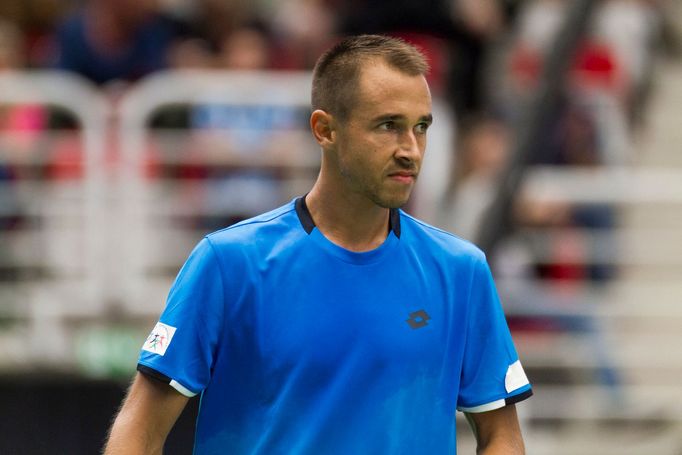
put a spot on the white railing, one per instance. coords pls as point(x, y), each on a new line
point(63, 243)
point(89, 108)
point(609, 331)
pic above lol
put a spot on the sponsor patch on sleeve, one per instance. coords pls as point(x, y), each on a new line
point(515, 378)
point(160, 338)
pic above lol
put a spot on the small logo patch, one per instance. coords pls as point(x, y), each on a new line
point(160, 338)
point(418, 319)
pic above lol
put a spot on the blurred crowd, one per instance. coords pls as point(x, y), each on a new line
point(486, 58)
point(123, 40)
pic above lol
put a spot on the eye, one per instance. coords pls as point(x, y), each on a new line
point(387, 126)
point(421, 128)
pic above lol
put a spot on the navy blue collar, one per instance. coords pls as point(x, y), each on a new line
point(308, 224)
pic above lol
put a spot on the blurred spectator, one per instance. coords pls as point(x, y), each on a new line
point(484, 151)
point(631, 28)
point(304, 29)
point(245, 48)
point(12, 55)
point(19, 124)
point(455, 34)
point(108, 40)
point(615, 57)
point(211, 20)
point(22, 120)
point(190, 54)
point(36, 19)
point(482, 156)
point(244, 133)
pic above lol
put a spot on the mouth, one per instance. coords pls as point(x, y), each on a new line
point(403, 176)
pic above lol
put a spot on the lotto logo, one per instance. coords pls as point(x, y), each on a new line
point(418, 319)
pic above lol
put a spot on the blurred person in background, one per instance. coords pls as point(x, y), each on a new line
point(591, 125)
point(613, 61)
point(36, 19)
point(116, 40)
point(247, 47)
point(302, 29)
point(456, 35)
point(212, 20)
point(482, 154)
point(632, 29)
point(340, 324)
point(20, 121)
point(240, 132)
point(23, 121)
point(12, 46)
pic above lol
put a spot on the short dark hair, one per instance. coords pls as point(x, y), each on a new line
point(336, 73)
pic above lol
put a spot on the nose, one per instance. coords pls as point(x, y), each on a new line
point(409, 147)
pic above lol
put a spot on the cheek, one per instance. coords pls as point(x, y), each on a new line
point(365, 154)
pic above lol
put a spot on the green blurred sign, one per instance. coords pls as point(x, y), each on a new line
point(108, 352)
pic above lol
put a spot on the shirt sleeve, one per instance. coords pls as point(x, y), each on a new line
point(181, 348)
point(492, 376)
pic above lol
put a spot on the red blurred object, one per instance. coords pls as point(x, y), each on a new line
point(594, 66)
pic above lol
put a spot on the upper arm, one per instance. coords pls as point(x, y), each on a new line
point(182, 347)
point(497, 431)
point(148, 413)
point(491, 374)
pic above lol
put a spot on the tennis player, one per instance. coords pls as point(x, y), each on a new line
point(336, 324)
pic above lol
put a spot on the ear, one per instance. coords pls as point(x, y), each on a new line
point(323, 127)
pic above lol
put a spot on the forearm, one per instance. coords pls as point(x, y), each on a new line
point(146, 417)
point(130, 437)
point(501, 447)
point(497, 432)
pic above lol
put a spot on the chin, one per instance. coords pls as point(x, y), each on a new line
point(391, 203)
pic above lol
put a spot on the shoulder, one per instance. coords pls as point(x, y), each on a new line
point(439, 241)
point(267, 227)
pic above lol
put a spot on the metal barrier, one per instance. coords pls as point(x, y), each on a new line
point(600, 343)
point(60, 244)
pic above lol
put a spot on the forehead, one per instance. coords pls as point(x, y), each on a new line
point(384, 89)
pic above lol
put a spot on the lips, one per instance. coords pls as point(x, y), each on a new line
point(403, 176)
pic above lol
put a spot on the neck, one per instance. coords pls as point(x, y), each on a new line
point(348, 220)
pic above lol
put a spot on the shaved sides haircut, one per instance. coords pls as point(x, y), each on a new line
point(336, 74)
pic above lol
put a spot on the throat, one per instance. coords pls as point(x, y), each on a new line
point(355, 240)
point(350, 227)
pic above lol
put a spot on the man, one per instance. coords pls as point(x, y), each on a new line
point(336, 324)
point(116, 40)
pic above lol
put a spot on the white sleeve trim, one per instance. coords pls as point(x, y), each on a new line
point(181, 388)
point(515, 377)
point(485, 407)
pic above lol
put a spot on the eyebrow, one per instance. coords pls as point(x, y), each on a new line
point(395, 117)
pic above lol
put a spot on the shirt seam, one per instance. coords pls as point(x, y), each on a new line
point(253, 221)
point(219, 340)
point(436, 229)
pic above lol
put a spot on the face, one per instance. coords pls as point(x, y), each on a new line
point(379, 148)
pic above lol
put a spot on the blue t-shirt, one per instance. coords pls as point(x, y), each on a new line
point(299, 346)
